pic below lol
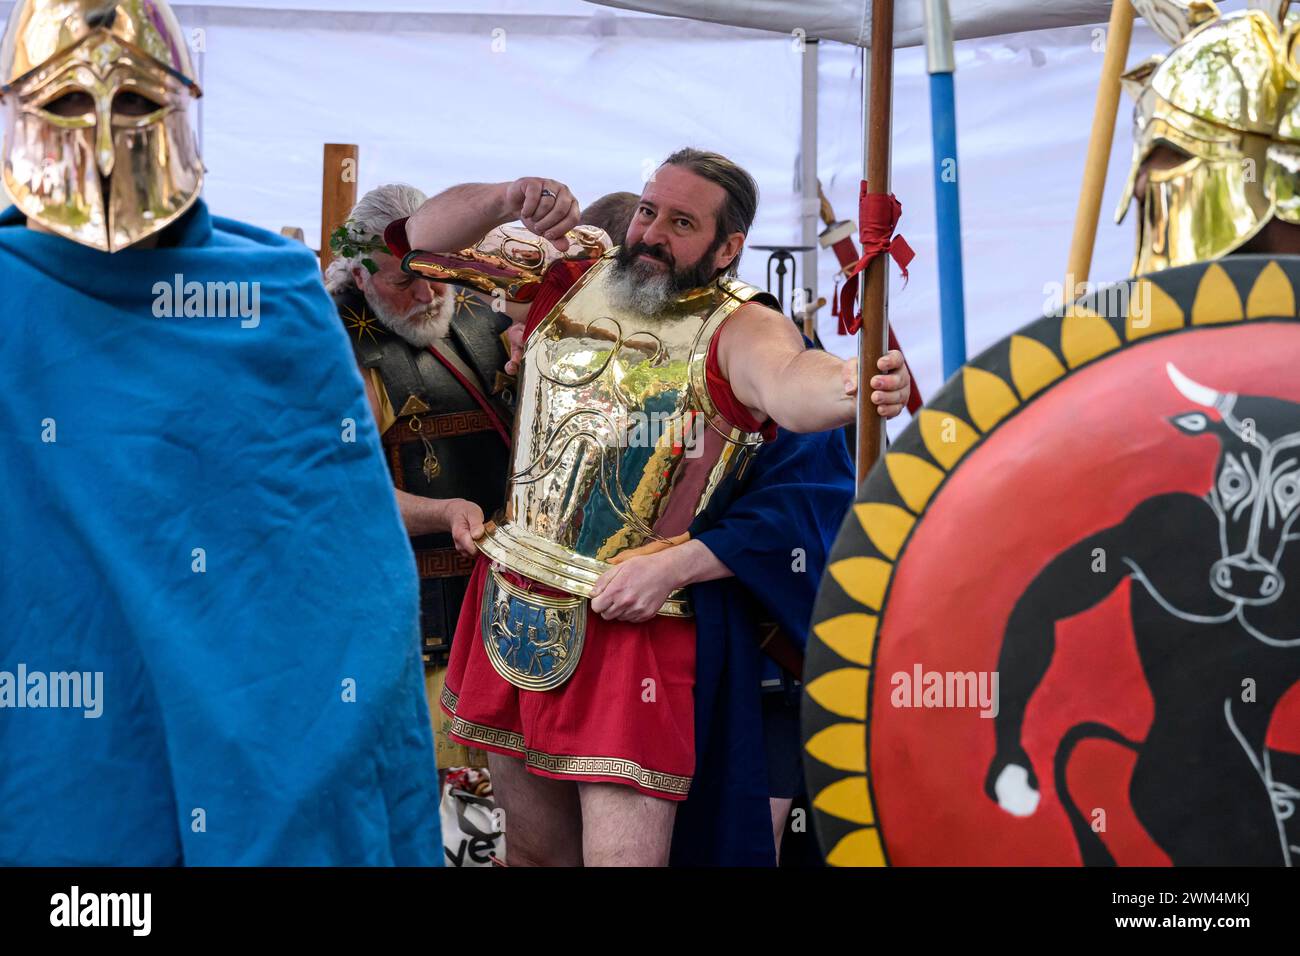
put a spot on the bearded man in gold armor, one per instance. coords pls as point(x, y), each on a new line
point(649, 377)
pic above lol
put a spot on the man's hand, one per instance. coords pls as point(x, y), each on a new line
point(637, 588)
point(892, 389)
point(465, 522)
point(546, 208)
point(515, 336)
point(461, 216)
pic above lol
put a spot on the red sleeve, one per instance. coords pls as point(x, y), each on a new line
point(725, 399)
point(395, 238)
point(559, 279)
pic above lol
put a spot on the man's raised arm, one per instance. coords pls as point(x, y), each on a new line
point(462, 215)
point(771, 373)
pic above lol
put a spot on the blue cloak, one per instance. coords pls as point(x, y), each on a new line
point(188, 515)
point(775, 538)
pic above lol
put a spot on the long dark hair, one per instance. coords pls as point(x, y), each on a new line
point(741, 204)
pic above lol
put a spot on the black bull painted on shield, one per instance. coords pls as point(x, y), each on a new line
point(1237, 580)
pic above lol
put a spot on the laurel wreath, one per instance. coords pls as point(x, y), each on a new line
point(347, 243)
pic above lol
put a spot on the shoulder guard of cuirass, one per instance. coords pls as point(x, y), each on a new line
point(748, 293)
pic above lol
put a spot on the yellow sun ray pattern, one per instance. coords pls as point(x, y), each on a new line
point(988, 397)
point(842, 746)
point(1085, 335)
point(847, 799)
point(947, 438)
point(852, 636)
point(1217, 288)
point(1152, 311)
point(842, 691)
point(1272, 294)
point(886, 525)
point(361, 325)
point(863, 579)
point(915, 478)
point(1033, 366)
point(859, 848)
point(842, 688)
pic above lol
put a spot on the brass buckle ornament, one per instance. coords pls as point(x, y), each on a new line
point(534, 641)
point(431, 468)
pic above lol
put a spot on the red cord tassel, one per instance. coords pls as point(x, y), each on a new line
point(878, 215)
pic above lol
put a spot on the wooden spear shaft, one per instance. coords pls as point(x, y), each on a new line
point(1119, 38)
point(871, 342)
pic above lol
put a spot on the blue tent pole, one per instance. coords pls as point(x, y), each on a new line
point(947, 193)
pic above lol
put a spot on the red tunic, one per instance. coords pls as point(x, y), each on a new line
point(627, 715)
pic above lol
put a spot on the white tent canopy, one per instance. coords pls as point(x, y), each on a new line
point(437, 92)
point(849, 21)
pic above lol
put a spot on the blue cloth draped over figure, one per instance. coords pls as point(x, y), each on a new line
point(187, 511)
point(798, 492)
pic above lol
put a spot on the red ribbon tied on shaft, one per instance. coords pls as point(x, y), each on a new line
point(878, 215)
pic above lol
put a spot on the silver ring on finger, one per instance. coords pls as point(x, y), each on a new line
point(547, 192)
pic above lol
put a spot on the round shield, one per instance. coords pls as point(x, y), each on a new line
point(1061, 624)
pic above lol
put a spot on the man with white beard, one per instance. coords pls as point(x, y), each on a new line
point(433, 359)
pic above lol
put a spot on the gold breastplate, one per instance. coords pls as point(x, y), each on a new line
point(617, 443)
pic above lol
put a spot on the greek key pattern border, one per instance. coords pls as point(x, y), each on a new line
point(443, 563)
point(610, 767)
point(437, 426)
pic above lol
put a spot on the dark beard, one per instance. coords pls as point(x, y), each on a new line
point(680, 281)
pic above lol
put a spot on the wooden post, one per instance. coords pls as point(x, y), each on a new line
point(1119, 38)
point(875, 287)
point(338, 193)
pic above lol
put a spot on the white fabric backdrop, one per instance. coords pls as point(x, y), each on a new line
point(597, 97)
point(849, 21)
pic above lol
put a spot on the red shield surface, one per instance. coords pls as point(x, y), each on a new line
point(1062, 623)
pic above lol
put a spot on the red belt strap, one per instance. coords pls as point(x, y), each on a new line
point(479, 397)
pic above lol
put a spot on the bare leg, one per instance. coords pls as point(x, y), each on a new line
point(624, 827)
point(780, 813)
point(543, 820)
